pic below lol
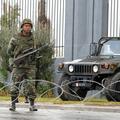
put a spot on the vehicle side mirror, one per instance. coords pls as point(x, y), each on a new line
point(93, 49)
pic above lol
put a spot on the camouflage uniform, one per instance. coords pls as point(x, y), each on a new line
point(24, 73)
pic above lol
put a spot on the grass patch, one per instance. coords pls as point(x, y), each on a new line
point(4, 98)
point(96, 102)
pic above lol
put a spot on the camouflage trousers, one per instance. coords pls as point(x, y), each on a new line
point(23, 82)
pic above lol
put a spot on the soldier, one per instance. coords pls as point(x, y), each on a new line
point(24, 73)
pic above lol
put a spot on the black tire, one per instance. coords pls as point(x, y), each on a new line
point(112, 90)
point(68, 92)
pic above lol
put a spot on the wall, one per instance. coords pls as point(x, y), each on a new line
point(86, 21)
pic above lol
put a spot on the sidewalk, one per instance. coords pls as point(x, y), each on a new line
point(80, 107)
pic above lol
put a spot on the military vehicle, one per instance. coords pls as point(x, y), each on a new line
point(100, 70)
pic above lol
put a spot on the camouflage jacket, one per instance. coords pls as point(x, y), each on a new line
point(17, 44)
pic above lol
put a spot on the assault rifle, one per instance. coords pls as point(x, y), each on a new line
point(27, 53)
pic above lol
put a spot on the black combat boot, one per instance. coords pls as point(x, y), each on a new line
point(32, 106)
point(17, 101)
point(26, 99)
point(13, 102)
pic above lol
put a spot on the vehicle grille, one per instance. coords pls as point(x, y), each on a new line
point(83, 69)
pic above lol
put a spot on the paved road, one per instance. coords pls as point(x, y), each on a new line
point(56, 114)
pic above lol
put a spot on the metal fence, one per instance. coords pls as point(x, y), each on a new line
point(56, 13)
point(50, 11)
point(114, 18)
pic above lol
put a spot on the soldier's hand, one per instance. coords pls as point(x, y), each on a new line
point(10, 68)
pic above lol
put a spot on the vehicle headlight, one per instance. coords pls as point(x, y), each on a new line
point(71, 68)
point(95, 68)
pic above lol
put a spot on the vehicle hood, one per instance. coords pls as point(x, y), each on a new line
point(100, 60)
point(95, 60)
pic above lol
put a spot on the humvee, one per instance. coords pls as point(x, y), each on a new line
point(100, 70)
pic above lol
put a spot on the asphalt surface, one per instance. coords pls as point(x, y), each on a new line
point(48, 111)
point(56, 114)
point(80, 107)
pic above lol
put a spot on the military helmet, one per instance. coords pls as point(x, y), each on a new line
point(26, 21)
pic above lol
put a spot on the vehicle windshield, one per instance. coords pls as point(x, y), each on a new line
point(111, 48)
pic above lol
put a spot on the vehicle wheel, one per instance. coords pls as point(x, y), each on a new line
point(112, 90)
point(68, 92)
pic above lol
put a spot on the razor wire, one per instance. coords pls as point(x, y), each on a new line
point(56, 86)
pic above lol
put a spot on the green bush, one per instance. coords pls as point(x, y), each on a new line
point(44, 70)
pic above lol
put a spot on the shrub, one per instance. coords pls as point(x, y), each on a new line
point(44, 69)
